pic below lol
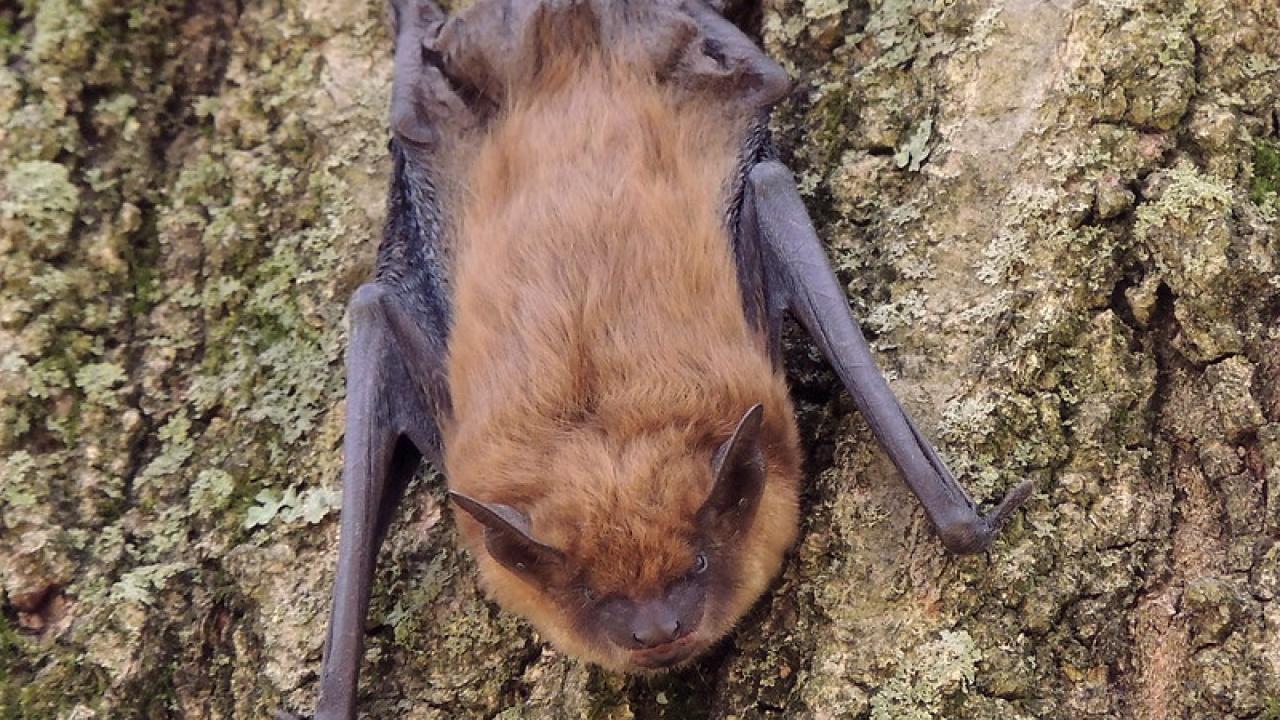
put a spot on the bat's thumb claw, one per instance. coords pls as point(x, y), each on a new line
point(1011, 502)
point(969, 532)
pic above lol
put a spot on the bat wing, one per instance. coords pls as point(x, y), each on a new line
point(782, 268)
point(396, 382)
point(777, 244)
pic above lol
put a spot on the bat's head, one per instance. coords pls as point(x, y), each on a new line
point(647, 570)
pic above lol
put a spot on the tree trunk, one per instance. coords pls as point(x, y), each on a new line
point(1057, 218)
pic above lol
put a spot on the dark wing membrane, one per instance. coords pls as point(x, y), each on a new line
point(412, 266)
point(396, 381)
point(762, 303)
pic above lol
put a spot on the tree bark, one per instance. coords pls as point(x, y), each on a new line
point(1057, 219)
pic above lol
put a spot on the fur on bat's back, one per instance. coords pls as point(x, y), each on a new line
point(599, 352)
point(591, 254)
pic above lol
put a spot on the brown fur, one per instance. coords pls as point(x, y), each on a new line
point(599, 352)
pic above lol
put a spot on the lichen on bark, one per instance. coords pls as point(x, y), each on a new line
point(1057, 219)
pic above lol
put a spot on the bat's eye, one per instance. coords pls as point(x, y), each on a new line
point(700, 564)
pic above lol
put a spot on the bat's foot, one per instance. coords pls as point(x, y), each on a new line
point(974, 534)
point(286, 715)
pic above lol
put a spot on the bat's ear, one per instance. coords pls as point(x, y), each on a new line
point(508, 540)
point(739, 474)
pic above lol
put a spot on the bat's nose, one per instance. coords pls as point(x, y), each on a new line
point(654, 624)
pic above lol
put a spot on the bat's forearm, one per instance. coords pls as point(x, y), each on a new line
point(803, 273)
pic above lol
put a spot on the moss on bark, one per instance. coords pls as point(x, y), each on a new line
point(1058, 221)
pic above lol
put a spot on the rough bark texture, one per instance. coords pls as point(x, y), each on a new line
point(1059, 220)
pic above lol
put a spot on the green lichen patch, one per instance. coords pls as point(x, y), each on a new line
point(1265, 190)
point(921, 684)
point(1186, 229)
point(38, 204)
point(1181, 192)
point(310, 506)
point(911, 155)
point(38, 682)
point(19, 487)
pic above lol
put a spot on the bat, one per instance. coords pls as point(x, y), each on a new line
point(589, 251)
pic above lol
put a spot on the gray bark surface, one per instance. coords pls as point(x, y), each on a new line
point(1058, 220)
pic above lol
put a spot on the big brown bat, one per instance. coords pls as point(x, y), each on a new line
point(589, 249)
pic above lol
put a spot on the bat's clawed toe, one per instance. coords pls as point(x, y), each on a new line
point(286, 715)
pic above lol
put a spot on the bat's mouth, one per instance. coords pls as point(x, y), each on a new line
point(666, 656)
